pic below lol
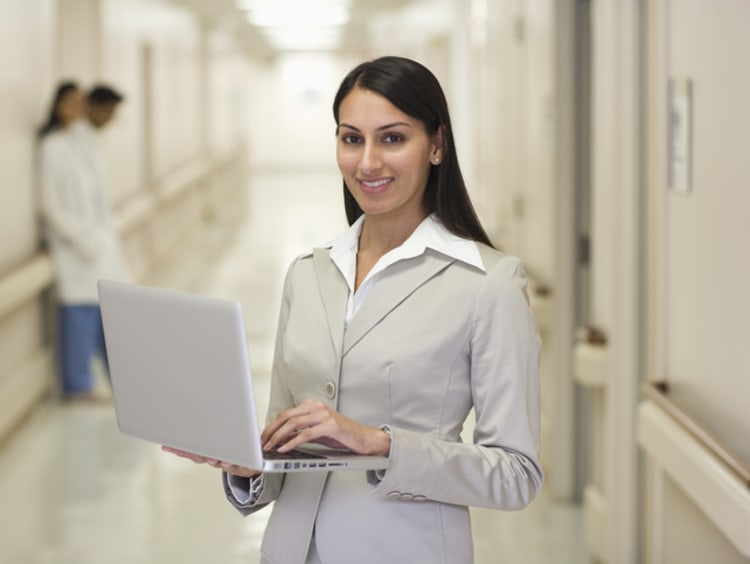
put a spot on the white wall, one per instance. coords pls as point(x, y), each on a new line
point(27, 34)
point(173, 158)
point(697, 288)
point(183, 120)
point(707, 279)
point(169, 90)
point(26, 64)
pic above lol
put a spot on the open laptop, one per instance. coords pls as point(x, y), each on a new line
point(181, 378)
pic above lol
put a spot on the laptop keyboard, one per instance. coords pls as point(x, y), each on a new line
point(293, 455)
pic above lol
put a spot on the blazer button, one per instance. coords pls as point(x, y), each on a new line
point(394, 495)
point(406, 497)
point(419, 498)
point(329, 389)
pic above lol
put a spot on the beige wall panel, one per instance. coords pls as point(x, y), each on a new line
point(173, 92)
point(28, 73)
point(496, 120)
point(707, 296)
point(176, 95)
point(78, 50)
point(539, 123)
point(138, 249)
point(228, 186)
point(21, 333)
point(230, 91)
point(175, 220)
point(127, 25)
point(27, 32)
point(699, 279)
point(689, 536)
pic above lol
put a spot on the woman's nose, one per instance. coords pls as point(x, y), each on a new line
point(370, 160)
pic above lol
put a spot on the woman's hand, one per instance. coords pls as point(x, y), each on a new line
point(226, 466)
point(315, 422)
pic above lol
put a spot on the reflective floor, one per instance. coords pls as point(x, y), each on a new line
point(73, 490)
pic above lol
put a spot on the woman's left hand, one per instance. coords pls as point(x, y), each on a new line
point(315, 422)
point(226, 466)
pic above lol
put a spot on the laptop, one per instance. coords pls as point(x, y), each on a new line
point(181, 378)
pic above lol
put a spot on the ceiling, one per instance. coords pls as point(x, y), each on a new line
point(225, 14)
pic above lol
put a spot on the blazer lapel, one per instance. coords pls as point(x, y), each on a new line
point(334, 292)
point(396, 284)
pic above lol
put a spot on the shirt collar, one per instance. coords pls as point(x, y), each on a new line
point(431, 233)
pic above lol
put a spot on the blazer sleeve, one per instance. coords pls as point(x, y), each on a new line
point(257, 493)
point(501, 468)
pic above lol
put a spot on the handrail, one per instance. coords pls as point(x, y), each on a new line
point(658, 392)
point(25, 282)
point(133, 212)
point(172, 184)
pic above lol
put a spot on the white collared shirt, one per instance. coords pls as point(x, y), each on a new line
point(428, 234)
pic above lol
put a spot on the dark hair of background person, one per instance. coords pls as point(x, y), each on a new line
point(53, 121)
point(414, 90)
point(103, 94)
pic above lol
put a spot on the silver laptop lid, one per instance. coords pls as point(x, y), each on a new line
point(180, 371)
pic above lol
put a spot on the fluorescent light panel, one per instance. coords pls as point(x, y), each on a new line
point(305, 42)
point(303, 15)
point(300, 24)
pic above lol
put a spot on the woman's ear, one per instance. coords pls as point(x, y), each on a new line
point(437, 146)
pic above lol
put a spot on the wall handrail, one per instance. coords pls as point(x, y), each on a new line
point(171, 185)
point(25, 282)
point(658, 392)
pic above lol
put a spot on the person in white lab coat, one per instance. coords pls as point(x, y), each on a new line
point(79, 232)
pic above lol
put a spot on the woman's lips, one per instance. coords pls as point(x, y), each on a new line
point(375, 186)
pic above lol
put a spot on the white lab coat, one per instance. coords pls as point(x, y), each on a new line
point(80, 232)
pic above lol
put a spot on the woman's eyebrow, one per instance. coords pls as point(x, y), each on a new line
point(381, 128)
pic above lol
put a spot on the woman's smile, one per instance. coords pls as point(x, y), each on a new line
point(375, 186)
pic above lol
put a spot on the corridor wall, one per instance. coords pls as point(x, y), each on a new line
point(176, 152)
point(26, 44)
point(697, 507)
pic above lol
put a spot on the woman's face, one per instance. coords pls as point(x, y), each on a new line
point(70, 107)
point(384, 155)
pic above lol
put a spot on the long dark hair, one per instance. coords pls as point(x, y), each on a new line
point(53, 120)
point(414, 90)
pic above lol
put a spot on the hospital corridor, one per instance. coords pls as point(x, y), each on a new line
point(602, 143)
point(76, 491)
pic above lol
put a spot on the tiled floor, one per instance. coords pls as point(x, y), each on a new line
point(73, 490)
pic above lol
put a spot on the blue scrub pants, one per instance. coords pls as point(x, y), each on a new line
point(81, 338)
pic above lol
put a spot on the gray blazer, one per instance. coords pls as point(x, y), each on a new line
point(434, 338)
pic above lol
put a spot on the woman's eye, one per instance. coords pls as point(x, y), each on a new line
point(393, 138)
point(350, 139)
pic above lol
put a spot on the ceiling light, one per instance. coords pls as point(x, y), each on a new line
point(293, 12)
point(300, 16)
point(295, 25)
point(310, 39)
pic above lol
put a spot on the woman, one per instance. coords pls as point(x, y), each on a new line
point(388, 337)
point(80, 235)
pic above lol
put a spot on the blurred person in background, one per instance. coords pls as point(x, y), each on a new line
point(79, 230)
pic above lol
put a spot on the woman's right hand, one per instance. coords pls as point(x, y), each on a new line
point(229, 468)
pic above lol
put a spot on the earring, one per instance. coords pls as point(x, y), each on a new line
point(436, 160)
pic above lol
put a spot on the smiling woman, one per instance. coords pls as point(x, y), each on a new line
point(388, 337)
